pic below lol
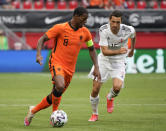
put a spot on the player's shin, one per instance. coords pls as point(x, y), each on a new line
point(113, 93)
point(42, 105)
point(56, 99)
point(94, 103)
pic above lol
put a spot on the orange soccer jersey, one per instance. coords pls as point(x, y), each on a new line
point(68, 43)
point(96, 2)
point(118, 2)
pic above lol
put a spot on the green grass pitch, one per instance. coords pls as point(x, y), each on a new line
point(141, 105)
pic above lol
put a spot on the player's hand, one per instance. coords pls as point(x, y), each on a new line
point(131, 53)
point(96, 74)
point(122, 50)
point(39, 59)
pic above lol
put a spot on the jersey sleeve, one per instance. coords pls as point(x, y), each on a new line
point(132, 32)
point(103, 38)
point(88, 39)
point(53, 32)
point(88, 35)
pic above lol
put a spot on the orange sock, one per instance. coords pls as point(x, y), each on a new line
point(55, 102)
point(42, 105)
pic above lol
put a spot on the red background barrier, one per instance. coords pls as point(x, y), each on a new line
point(144, 40)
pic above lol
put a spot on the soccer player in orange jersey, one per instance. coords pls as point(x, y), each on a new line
point(68, 38)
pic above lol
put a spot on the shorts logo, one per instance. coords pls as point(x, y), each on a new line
point(59, 69)
point(122, 75)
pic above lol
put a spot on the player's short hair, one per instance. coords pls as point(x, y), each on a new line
point(80, 11)
point(116, 13)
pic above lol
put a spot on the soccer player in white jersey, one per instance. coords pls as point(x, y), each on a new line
point(112, 58)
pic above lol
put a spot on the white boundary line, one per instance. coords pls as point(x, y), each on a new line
point(85, 76)
point(23, 105)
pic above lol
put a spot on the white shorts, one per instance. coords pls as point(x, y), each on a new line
point(110, 69)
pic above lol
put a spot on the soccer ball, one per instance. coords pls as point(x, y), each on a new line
point(58, 118)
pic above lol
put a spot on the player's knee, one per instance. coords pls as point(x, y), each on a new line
point(117, 87)
point(57, 93)
point(60, 88)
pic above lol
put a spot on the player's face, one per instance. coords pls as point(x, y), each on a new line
point(82, 20)
point(115, 24)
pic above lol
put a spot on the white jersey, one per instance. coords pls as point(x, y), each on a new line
point(114, 42)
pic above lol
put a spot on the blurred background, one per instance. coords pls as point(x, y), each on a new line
point(22, 22)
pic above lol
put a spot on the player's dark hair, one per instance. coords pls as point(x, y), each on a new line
point(80, 11)
point(116, 13)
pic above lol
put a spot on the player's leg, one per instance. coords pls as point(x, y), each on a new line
point(57, 91)
point(46, 102)
point(118, 75)
point(34, 109)
point(62, 81)
point(117, 84)
point(94, 97)
point(50, 99)
point(59, 85)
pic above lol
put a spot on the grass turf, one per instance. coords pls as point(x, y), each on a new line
point(141, 105)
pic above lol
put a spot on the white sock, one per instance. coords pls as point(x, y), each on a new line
point(94, 103)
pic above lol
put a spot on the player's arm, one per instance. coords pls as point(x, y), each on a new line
point(40, 44)
point(51, 33)
point(108, 52)
point(133, 41)
point(93, 55)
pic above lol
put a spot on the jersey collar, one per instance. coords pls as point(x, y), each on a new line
point(75, 29)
